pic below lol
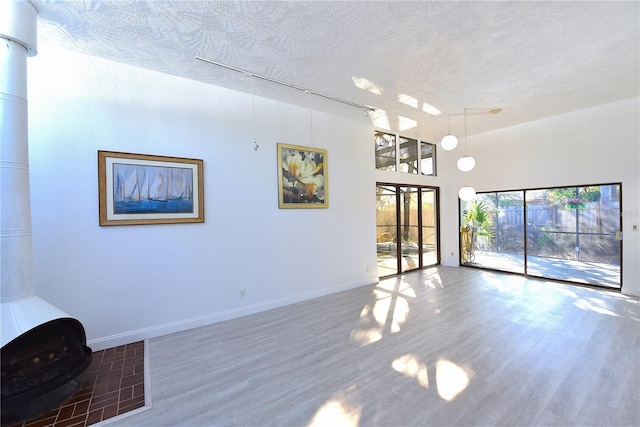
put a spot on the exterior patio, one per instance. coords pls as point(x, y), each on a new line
point(581, 272)
point(589, 273)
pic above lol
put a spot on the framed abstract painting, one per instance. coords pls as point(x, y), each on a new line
point(148, 189)
point(302, 177)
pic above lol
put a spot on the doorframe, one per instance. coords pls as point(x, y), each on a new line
point(418, 187)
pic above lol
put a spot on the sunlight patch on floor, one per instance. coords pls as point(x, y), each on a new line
point(391, 286)
point(595, 305)
point(366, 336)
point(410, 366)
point(451, 379)
point(391, 307)
point(337, 412)
point(381, 308)
point(568, 292)
point(434, 283)
point(504, 282)
point(388, 313)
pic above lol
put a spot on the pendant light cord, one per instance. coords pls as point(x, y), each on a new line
point(253, 109)
point(310, 119)
point(465, 132)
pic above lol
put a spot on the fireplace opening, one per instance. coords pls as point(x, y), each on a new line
point(40, 369)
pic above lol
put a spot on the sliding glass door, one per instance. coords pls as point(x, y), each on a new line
point(493, 231)
point(573, 234)
point(563, 233)
point(407, 234)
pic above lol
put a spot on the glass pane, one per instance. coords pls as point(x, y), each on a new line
point(429, 232)
point(385, 151)
point(495, 223)
point(408, 155)
point(386, 230)
point(409, 228)
point(571, 234)
point(427, 159)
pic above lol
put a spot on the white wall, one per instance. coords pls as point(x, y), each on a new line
point(126, 283)
point(598, 145)
point(131, 282)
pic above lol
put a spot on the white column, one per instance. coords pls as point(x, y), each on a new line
point(18, 27)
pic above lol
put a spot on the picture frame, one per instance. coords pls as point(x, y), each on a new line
point(137, 189)
point(302, 177)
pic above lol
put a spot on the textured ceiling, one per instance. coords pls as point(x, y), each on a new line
point(532, 59)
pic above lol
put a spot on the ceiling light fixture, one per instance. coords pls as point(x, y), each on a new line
point(466, 163)
point(449, 141)
point(467, 194)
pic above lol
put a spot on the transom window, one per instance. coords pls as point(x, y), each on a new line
point(397, 153)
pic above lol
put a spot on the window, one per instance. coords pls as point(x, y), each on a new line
point(492, 233)
point(399, 154)
point(385, 151)
point(408, 155)
point(427, 159)
point(562, 233)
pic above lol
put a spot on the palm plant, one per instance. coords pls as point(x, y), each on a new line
point(478, 226)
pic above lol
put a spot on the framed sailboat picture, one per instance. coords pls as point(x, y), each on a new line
point(147, 189)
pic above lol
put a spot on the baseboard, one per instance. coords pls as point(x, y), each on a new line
point(110, 341)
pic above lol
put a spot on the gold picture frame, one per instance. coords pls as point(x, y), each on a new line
point(302, 177)
point(136, 189)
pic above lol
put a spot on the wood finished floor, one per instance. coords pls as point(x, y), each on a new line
point(442, 347)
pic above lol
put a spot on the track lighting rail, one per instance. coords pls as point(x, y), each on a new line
point(365, 108)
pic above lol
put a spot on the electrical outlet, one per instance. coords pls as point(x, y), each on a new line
point(243, 293)
point(634, 227)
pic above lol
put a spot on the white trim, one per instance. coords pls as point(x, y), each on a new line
point(208, 319)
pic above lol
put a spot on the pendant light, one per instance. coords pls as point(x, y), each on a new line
point(449, 141)
point(467, 194)
point(466, 163)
